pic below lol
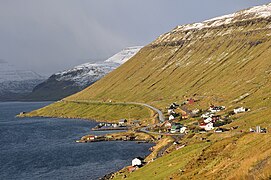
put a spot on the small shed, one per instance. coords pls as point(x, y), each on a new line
point(22, 113)
point(122, 122)
point(167, 124)
point(184, 116)
point(132, 168)
point(91, 138)
point(136, 122)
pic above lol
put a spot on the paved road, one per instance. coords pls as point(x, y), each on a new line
point(160, 114)
point(161, 117)
point(161, 120)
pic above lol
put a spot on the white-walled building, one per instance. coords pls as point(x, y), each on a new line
point(136, 162)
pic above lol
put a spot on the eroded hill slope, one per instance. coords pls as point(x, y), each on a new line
point(225, 58)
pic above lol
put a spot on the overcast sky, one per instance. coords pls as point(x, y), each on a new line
point(51, 35)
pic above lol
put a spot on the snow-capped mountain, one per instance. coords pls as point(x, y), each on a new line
point(244, 15)
point(254, 13)
point(9, 72)
point(73, 80)
point(85, 73)
point(16, 83)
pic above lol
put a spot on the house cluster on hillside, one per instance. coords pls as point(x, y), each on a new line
point(173, 114)
point(210, 119)
point(174, 127)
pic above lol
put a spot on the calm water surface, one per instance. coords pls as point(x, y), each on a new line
point(45, 148)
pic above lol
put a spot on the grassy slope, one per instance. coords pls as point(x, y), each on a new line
point(219, 68)
point(229, 158)
point(215, 64)
point(218, 64)
point(169, 164)
point(98, 111)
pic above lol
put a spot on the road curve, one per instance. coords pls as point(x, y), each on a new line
point(161, 120)
point(160, 114)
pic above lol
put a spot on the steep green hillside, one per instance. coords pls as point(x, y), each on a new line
point(230, 158)
point(219, 60)
point(218, 63)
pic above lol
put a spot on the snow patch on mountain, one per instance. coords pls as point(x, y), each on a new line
point(85, 74)
point(15, 82)
point(124, 55)
point(263, 11)
point(9, 72)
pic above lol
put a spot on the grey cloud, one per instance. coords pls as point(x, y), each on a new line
point(52, 35)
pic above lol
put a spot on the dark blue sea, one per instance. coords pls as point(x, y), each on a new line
point(45, 148)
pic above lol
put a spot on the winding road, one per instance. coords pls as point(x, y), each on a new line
point(160, 114)
point(161, 117)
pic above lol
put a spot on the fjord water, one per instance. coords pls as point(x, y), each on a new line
point(45, 148)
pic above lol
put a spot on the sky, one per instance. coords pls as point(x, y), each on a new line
point(48, 36)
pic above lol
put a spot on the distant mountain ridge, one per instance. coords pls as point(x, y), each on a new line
point(73, 80)
point(15, 83)
point(9, 72)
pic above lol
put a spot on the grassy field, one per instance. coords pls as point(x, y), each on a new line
point(94, 110)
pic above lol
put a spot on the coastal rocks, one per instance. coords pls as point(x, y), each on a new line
point(107, 176)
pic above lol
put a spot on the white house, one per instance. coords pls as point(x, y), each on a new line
point(183, 129)
point(171, 117)
point(206, 115)
point(209, 126)
point(170, 111)
point(136, 162)
point(216, 109)
point(207, 120)
point(195, 111)
point(240, 110)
